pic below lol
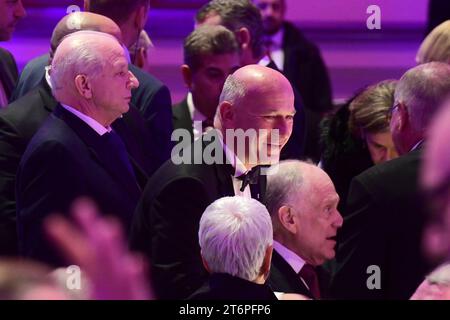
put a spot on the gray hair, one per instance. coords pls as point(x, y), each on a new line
point(208, 40)
point(440, 275)
point(233, 91)
point(85, 57)
point(234, 235)
point(284, 181)
point(423, 89)
point(236, 14)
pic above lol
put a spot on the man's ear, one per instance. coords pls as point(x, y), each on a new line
point(403, 117)
point(227, 114)
point(244, 38)
point(265, 268)
point(141, 58)
point(286, 218)
point(83, 86)
point(186, 73)
point(140, 19)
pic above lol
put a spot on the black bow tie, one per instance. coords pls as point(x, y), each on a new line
point(251, 177)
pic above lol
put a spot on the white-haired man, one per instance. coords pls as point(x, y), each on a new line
point(302, 201)
point(75, 152)
point(235, 237)
point(379, 254)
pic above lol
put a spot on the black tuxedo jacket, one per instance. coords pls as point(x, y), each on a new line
point(8, 72)
point(181, 118)
point(166, 222)
point(152, 98)
point(284, 279)
point(383, 224)
point(64, 160)
point(304, 67)
point(18, 124)
point(222, 286)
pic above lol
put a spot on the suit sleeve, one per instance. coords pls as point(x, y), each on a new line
point(10, 153)
point(168, 233)
point(321, 91)
point(362, 244)
point(45, 185)
point(158, 115)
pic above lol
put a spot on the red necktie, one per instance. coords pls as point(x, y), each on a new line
point(309, 275)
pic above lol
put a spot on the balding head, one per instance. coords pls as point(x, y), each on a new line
point(418, 95)
point(302, 201)
point(260, 99)
point(436, 183)
point(79, 21)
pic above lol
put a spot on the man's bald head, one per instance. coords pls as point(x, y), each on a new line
point(261, 99)
point(79, 21)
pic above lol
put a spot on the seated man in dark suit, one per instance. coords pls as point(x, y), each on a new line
point(235, 237)
point(10, 13)
point(379, 252)
point(254, 99)
point(302, 201)
point(76, 152)
point(152, 97)
point(22, 119)
point(210, 55)
point(297, 57)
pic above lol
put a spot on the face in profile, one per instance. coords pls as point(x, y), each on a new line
point(11, 11)
point(317, 219)
point(272, 12)
point(380, 146)
point(111, 90)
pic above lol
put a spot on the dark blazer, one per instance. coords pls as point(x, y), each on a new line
point(304, 67)
point(383, 224)
point(152, 98)
point(181, 118)
point(166, 222)
point(284, 279)
point(222, 286)
point(18, 124)
point(8, 72)
point(64, 160)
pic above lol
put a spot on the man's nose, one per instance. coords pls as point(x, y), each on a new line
point(133, 81)
point(19, 11)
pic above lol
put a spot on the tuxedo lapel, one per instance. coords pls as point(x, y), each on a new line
point(181, 117)
point(100, 152)
point(284, 279)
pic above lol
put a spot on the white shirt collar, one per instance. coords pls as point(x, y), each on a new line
point(194, 113)
point(289, 256)
point(239, 168)
point(97, 127)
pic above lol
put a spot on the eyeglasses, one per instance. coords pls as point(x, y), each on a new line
point(392, 109)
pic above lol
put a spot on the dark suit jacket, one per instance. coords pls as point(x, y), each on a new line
point(222, 286)
point(18, 124)
point(284, 279)
point(383, 223)
point(166, 222)
point(67, 159)
point(152, 98)
point(304, 67)
point(8, 71)
point(181, 118)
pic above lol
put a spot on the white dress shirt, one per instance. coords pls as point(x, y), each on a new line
point(239, 169)
point(276, 51)
point(97, 127)
point(196, 116)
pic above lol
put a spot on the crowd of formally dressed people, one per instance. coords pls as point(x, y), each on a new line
point(98, 169)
